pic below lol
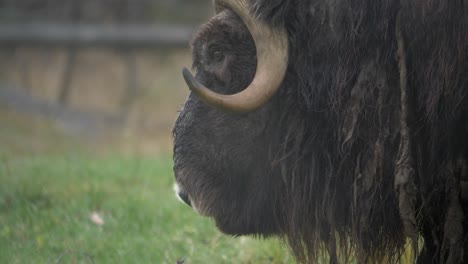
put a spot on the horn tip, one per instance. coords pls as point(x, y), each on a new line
point(188, 77)
point(186, 73)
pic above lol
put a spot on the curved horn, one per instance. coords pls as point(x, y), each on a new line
point(272, 60)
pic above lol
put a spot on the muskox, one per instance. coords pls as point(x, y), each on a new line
point(340, 126)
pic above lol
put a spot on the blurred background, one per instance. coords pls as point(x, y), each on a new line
point(89, 91)
point(91, 68)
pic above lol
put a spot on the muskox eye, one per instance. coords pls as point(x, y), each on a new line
point(217, 56)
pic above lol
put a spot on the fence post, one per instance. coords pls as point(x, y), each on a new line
point(131, 89)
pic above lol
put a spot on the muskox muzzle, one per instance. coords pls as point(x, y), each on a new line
point(185, 198)
point(182, 195)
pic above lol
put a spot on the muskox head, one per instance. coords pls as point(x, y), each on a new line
point(221, 160)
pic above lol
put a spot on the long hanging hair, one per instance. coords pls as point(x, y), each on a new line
point(371, 138)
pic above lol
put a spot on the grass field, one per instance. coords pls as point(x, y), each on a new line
point(46, 203)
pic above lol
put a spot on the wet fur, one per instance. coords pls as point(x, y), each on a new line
point(364, 146)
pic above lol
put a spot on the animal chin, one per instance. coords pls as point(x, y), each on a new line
point(236, 227)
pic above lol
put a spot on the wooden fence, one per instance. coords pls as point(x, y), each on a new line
point(87, 35)
point(125, 38)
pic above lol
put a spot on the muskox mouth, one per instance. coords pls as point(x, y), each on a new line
point(185, 198)
point(182, 195)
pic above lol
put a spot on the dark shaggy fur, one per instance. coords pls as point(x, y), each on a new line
point(365, 145)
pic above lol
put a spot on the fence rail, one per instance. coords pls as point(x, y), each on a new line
point(85, 35)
